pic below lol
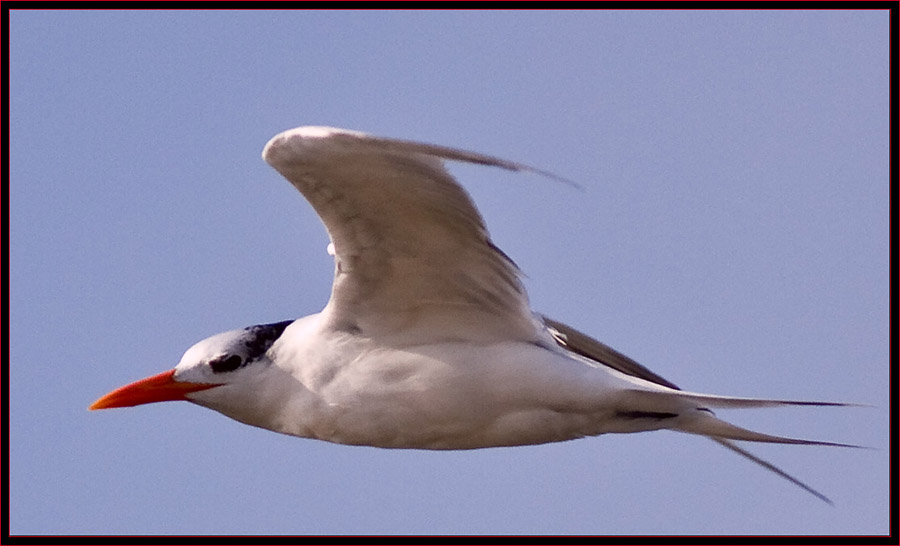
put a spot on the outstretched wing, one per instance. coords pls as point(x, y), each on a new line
point(413, 258)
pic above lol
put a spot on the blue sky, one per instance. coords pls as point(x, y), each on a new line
point(731, 235)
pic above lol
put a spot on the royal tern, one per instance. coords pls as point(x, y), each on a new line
point(428, 340)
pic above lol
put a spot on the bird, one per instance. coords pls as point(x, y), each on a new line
point(428, 340)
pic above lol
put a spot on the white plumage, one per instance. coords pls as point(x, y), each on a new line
point(428, 340)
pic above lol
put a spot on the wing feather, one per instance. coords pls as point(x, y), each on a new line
point(586, 346)
point(413, 258)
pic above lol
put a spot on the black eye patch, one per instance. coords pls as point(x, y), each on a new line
point(226, 364)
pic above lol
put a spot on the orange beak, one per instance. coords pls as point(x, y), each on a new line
point(158, 388)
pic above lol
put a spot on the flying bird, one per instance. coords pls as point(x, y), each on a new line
point(428, 340)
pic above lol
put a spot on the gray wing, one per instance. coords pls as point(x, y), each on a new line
point(413, 257)
point(588, 347)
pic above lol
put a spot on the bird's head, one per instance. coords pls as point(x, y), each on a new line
point(228, 358)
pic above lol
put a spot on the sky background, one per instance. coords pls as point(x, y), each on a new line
point(731, 235)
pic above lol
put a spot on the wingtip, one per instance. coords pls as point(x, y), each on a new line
point(287, 145)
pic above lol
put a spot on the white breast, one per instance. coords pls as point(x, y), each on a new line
point(345, 388)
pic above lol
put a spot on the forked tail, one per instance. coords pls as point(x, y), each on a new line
point(703, 422)
point(698, 419)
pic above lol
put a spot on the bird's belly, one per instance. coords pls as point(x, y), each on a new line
point(450, 397)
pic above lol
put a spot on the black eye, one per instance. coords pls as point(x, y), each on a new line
point(226, 364)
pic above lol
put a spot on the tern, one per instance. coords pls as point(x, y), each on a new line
point(428, 340)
